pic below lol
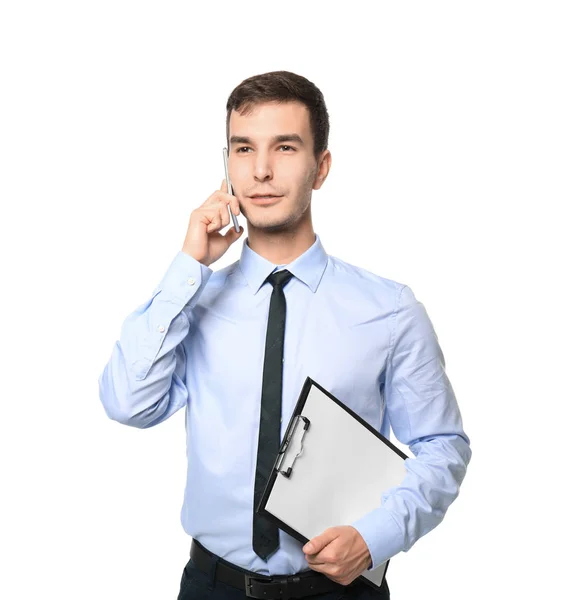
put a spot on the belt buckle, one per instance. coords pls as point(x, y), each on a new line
point(269, 582)
point(249, 585)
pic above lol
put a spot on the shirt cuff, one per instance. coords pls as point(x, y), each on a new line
point(381, 534)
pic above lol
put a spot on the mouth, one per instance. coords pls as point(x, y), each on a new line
point(269, 199)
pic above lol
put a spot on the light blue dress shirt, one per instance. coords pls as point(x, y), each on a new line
point(198, 343)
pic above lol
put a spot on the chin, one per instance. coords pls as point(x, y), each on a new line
point(276, 227)
point(270, 222)
point(271, 225)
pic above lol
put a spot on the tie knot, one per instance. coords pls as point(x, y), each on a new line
point(279, 279)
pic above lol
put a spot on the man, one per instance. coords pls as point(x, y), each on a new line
point(235, 346)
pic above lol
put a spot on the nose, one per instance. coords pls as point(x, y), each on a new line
point(262, 167)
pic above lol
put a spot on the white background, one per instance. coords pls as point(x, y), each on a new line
point(447, 140)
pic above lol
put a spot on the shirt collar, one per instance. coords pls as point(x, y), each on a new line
point(308, 267)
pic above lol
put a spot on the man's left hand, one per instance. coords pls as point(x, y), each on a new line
point(340, 553)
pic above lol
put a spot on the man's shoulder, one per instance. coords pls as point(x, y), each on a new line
point(364, 279)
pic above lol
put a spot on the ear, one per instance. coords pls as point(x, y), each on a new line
point(323, 169)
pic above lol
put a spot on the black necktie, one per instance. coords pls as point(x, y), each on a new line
point(265, 534)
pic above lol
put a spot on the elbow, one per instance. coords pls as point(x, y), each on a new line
point(137, 420)
point(115, 414)
point(125, 416)
point(115, 407)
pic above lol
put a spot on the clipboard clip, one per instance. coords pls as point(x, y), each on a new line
point(291, 446)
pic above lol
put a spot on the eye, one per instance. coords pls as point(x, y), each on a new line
point(242, 149)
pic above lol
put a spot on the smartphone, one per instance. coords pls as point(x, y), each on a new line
point(229, 191)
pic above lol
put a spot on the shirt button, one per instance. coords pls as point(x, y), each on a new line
point(191, 281)
point(161, 328)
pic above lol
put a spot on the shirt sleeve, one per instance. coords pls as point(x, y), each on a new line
point(144, 381)
point(424, 414)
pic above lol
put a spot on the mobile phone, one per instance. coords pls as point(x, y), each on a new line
point(229, 191)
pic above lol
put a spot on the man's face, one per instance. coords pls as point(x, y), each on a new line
point(260, 162)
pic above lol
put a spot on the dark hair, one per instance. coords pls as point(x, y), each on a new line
point(283, 86)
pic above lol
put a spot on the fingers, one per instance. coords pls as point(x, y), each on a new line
point(315, 561)
point(222, 195)
point(330, 570)
point(215, 208)
point(217, 215)
point(203, 240)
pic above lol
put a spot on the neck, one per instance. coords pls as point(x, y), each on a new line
point(282, 247)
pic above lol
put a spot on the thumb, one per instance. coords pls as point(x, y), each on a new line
point(232, 236)
point(318, 543)
point(223, 187)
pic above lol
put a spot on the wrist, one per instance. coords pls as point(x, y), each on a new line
point(195, 257)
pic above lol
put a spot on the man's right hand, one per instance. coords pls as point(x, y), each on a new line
point(203, 240)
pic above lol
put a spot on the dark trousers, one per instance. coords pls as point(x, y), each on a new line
point(197, 585)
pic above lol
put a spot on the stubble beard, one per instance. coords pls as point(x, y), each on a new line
point(280, 223)
point(289, 222)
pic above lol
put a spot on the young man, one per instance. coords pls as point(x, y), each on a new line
point(235, 346)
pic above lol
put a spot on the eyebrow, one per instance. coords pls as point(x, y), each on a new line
point(287, 137)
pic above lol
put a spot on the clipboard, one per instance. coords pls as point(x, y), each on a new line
point(331, 469)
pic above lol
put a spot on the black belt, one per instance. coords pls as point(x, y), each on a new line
point(300, 585)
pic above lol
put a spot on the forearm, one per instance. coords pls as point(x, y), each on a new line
point(411, 510)
point(143, 382)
